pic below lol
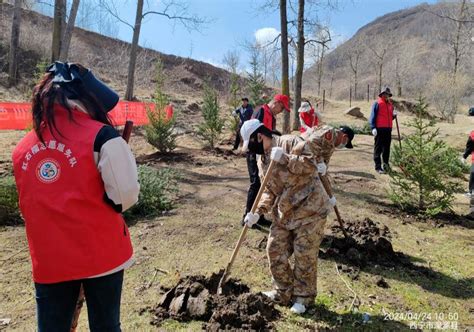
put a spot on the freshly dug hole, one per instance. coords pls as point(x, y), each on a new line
point(195, 298)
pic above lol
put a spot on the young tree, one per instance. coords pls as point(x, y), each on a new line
point(354, 57)
point(379, 52)
point(160, 131)
point(212, 127)
point(423, 181)
point(14, 41)
point(172, 10)
point(231, 62)
point(256, 82)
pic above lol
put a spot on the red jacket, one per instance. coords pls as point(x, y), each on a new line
point(310, 119)
point(72, 233)
point(265, 116)
point(384, 114)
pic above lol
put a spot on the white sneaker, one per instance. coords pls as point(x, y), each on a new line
point(271, 294)
point(298, 308)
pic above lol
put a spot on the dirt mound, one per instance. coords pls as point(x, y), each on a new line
point(195, 298)
point(368, 242)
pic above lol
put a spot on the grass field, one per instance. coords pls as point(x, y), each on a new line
point(198, 236)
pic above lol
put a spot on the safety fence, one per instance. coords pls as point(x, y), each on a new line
point(18, 115)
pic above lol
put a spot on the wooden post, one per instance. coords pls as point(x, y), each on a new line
point(324, 99)
point(368, 92)
point(350, 97)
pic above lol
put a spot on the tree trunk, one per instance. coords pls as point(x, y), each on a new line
point(14, 41)
point(285, 83)
point(134, 51)
point(69, 29)
point(380, 75)
point(59, 9)
point(299, 65)
point(456, 43)
point(320, 69)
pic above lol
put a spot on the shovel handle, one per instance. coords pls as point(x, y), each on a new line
point(327, 187)
point(398, 132)
point(245, 228)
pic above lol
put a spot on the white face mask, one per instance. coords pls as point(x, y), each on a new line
point(340, 146)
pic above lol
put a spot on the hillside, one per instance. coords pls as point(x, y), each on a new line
point(414, 37)
point(108, 58)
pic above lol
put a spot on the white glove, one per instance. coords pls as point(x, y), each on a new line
point(395, 113)
point(374, 132)
point(251, 219)
point(462, 160)
point(234, 113)
point(276, 154)
point(322, 168)
point(332, 201)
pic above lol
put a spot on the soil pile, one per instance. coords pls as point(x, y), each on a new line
point(195, 298)
point(368, 242)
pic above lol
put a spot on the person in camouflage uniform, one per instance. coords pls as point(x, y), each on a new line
point(296, 198)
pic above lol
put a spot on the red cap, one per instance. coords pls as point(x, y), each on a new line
point(284, 100)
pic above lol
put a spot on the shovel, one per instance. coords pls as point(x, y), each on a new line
point(327, 187)
point(127, 131)
point(245, 228)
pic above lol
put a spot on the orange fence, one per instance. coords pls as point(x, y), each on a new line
point(18, 115)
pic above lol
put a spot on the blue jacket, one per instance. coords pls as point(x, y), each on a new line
point(244, 113)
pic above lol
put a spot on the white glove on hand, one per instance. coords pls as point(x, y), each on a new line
point(234, 113)
point(322, 168)
point(395, 113)
point(374, 132)
point(332, 201)
point(276, 154)
point(251, 219)
point(462, 160)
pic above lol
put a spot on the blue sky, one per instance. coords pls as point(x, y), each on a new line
point(237, 21)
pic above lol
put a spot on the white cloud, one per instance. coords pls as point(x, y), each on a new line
point(266, 35)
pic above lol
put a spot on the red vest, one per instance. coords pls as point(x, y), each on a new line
point(310, 119)
point(472, 153)
point(72, 233)
point(384, 115)
point(269, 120)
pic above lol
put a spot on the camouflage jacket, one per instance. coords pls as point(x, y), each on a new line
point(294, 193)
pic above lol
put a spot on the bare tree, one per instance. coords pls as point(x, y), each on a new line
point(172, 10)
point(71, 22)
point(300, 44)
point(322, 38)
point(285, 83)
point(14, 41)
point(379, 53)
point(59, 17)
point(354, 58)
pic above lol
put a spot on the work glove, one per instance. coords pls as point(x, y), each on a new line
point(234, 113)
point(462, 159)
point(251, 219)
point(322, 168)
point(332, 201)
point(374, 132)
point(276, 154)
point(395, 113)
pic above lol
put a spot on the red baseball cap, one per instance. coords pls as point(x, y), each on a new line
point(284, 100)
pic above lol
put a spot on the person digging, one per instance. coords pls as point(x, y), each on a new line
point(299, 205)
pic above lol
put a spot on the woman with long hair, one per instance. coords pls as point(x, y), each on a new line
point(75, 175)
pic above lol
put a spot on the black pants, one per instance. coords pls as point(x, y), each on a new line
point(56, 303)
point(471, 180)
point(254, 180)
point(382, 147)
point(237, 139)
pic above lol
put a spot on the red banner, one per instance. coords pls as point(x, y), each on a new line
point(18, 115)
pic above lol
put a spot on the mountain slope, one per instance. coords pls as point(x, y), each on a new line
point(414, 37)
point(108, 58)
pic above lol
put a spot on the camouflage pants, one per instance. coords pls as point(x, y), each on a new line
point(303, 243)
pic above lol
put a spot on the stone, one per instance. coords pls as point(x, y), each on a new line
point(355, 111)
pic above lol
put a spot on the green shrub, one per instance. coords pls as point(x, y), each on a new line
point(9, 210)
point(212, 127)
point(159, 132)
point(157, 191)
point(423, 178)
point(358, 130)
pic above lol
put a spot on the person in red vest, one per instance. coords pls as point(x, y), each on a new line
point(309, 118)
point(470, 151)
point(380, 121)
point(75, 175)
point(266, 114)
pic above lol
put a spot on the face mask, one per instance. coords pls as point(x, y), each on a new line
point(256, 147)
